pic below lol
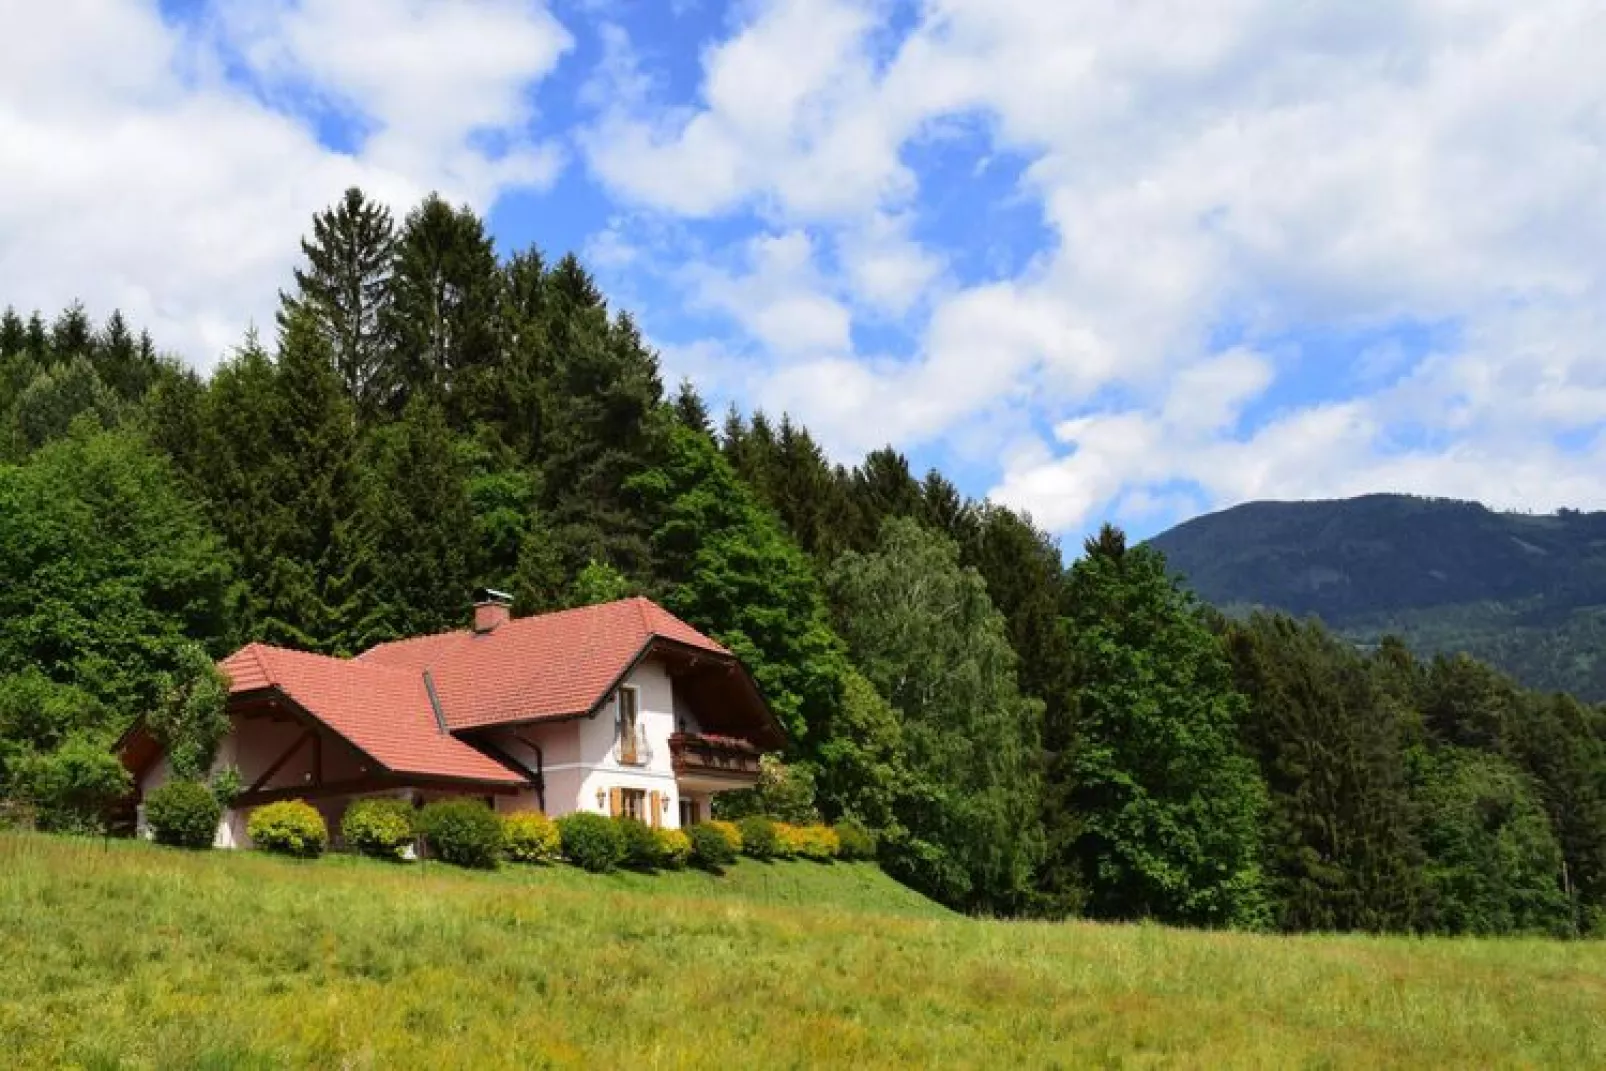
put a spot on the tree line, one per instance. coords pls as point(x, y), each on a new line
point(1025, 736)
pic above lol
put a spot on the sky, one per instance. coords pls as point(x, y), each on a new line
point(1127, 260)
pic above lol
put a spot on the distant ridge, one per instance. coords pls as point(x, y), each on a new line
point(1526, 592)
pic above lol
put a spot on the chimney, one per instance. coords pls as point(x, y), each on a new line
point(491, 608)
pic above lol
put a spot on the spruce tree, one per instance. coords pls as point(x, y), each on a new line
point(344, 288)
point(71, 336)
point(442, 321)
point(1341, 852)
point(413, 536)
point(690, 409)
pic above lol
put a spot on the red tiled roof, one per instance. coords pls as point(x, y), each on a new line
point(554, 665)
point(384, 712)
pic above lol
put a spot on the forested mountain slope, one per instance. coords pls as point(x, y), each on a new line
point(1526, 592)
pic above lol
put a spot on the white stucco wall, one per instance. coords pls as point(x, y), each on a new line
point(579, 755)
point(251, 746)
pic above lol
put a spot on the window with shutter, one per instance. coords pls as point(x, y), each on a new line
point(632, 803)
point(628, 708)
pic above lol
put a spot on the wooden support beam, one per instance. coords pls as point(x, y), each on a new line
point(371, 783)
point(279, 762)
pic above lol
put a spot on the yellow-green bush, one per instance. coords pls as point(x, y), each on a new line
point(786, 840)
point(728, 830)
point(530, 837)
point(674, 848)
point(289, 827)
point(381, 827)
point(815, 842)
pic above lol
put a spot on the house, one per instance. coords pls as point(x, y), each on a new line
point(620, 708)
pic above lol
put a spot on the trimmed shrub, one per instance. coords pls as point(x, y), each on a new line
point(760, 839)
point(815, 842)
point(380, 827)
point(183, 814)
point(290, 827)
point(728, 830)
point(591, 841)
point(530, 837)
point(785, 840)
point(674, 848)
point(641, 844)
point(462, 832)
point(711, 848)
point(854, 841)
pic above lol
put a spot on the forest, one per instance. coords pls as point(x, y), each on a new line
point(1027, 733)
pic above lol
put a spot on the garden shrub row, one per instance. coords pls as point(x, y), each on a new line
point(467, 833)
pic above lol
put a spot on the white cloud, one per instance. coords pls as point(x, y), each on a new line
point(133, 174)
point(780, 302)
point(1242, 169)
point(887, 271)
point(779, 122)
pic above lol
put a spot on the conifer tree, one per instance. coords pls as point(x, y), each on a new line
point(13, 334)
point(442, 319)
point(690, 409)
point(71, 335)
point(526, 381)
point(276, 460)
point(119, 361)
point(728, 568)
point(413, 534)
point(344, 288)
point(1341, 852)
point(604, 427)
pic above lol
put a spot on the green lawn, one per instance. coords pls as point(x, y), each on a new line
point(130, 955)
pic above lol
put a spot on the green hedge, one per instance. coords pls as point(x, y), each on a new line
point(183, 814)
point(855, 841)
point(463, 832)
point(591, 841)
point(291, 827)
point(641, 844)
point(711, 848)
point(760, 838)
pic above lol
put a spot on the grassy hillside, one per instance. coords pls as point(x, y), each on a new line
point(1524, 592)
point(135, 956)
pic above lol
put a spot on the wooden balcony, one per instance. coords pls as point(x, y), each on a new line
point(719, 758)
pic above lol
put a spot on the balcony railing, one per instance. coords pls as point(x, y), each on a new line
point(719, 756)
point(632, 748)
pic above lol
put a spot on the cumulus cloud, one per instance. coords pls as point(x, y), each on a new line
point(1220, 181)
point(137, 171)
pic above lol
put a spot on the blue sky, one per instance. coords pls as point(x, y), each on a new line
point(1119, 259)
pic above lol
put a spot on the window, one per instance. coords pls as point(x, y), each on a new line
point(633, 803)
point(629, 734)
point(690, 813)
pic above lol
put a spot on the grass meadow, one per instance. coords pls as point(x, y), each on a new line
point(127, 955)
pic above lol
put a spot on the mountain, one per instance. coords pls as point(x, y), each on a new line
point(1526, 592)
